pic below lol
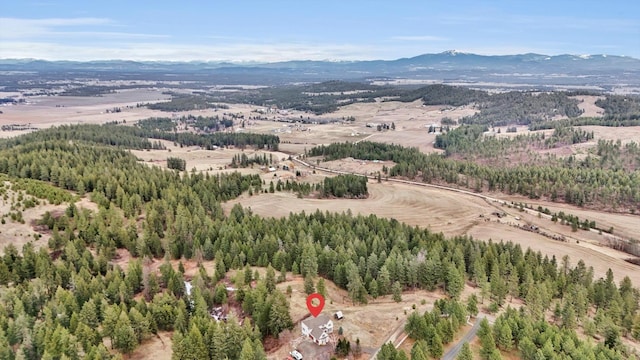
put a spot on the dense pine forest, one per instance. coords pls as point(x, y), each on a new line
point(68, 300)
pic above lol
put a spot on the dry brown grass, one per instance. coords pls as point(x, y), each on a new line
point(156, 348)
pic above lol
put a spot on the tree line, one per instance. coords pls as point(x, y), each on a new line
point(131, 137)
point(631, 120)
point(571, 181)
point(345, 186)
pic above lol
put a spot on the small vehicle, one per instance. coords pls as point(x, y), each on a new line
point(296, 355)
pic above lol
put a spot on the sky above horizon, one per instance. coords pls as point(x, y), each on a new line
point(268, 31)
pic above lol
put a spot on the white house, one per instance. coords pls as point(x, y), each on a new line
point(318, 329)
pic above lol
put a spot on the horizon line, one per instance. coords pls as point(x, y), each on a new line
point(258, 62)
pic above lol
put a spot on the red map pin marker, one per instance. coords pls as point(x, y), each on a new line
point(315, 310)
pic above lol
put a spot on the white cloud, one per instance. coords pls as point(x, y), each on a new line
point(185, 52)
point(15, 28)
point(418, 38)
point(39, 30)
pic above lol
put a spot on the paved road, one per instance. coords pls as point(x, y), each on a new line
point(453, 352)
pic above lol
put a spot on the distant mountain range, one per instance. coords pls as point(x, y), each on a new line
point(449, 66)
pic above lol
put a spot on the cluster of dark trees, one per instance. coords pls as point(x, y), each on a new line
point(204, 123)
point(615, 155)
point(514, 107)
point(345, 186)
point(110, 134)
point(8, 100)
point(202, 338)
point(301, 188)
point(88, 90)
point(517, 107)
point(208, 123)
point(157, 124)
point(181, 102)
point(176, 163)
point(42, 190)
point(220, 139)
point(243, 161)
point(620, 106)
point(436, 328)
point(439, 94)
point(535, 338)
point(470, 142)
point(138, 138)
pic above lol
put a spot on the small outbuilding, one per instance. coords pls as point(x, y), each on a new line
point(338, 315)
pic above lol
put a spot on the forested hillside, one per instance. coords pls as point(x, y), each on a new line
point(477, 143)
point(583, 183)
point(138, 137)
point(68, 300)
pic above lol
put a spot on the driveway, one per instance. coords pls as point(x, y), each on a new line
point(453, 352)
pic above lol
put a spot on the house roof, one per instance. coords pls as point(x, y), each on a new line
point(315, 323)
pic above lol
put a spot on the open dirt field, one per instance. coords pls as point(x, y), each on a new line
point(438, 210)
point(412, 121)
point(588, 105)
point(46, 111)
point(206, 160)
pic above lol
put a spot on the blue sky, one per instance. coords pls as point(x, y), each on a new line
point(313, 30)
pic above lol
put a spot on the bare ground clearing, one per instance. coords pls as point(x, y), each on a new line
point(206, 160)
point(411, 120)
point(588, 105)
point(17, 233)
point(157, 348)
